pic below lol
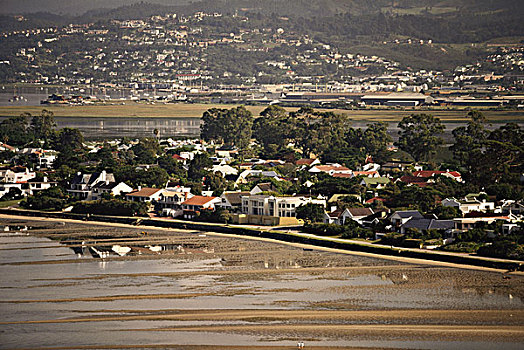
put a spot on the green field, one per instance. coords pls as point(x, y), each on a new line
point(196, 110)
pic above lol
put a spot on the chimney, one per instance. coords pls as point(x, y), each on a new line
point(140, 188)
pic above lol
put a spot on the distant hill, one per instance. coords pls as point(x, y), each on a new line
point(71, 7)
point(371, 27)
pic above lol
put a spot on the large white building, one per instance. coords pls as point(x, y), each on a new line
point(267, 205)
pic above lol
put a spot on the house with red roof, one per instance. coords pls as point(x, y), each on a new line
point(330, 169)
point(195, 204)
point(144, 194)
point(455, 175)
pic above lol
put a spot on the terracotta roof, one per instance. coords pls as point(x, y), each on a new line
point(365, 173)
point(328, 168)
point(144, 192)
point(305, 161)
point(374, 199)
point(198, 200)
point(430, 173)
point(342, 175)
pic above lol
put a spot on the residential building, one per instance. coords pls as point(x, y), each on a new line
point(375, 182)
point(145, 194)
point(112, 188)
point(330, 169)
point(195, 204)
point(268, 205)
point(466, 207)
point(232, 200)
point(82, 185)
point(399, 218)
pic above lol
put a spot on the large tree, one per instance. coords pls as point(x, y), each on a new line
point(15, 130)
point(310, 212)
point(420, 135)
point(272, 130)
point(43, 126)
point(470, 140)
point(230, 126)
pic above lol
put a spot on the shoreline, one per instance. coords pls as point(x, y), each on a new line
point(402, 259)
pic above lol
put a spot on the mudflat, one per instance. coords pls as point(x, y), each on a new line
point(199, 290)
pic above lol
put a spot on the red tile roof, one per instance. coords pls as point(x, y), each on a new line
point(305, 161)
point(430, 173)
point(198, 200)
point(342, 175)
point(144, 192)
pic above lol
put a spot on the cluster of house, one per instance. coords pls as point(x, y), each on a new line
point(21, 180)
point(176, 45)
point(262, 204)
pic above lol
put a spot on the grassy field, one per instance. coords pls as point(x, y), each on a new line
point(137, 110)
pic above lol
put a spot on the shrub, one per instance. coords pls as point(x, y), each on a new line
point(113, 207)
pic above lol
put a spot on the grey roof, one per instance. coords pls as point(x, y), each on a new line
point(429, 224)
point(235, 198)
point(404, 214)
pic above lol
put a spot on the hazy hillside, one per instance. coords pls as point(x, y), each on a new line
point(70, 7)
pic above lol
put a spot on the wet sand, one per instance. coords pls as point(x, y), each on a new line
point(212, 291)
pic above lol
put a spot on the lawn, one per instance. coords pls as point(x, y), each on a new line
point(184, 110)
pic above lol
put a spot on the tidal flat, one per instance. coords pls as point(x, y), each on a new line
point(88, 285)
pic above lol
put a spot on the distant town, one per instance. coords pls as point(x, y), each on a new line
point(172, 58)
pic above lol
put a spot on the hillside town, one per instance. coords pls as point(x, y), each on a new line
point(172, 58)
point(348, 183)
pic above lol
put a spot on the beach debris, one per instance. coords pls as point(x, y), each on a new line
point(120, 250)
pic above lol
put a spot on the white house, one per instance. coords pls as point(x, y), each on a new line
point(16, 175)
point(196, 204)
point(113, 188)
point(145, 194)
point(268, 205)
point(340, 217)
point(330, 169)
point(469, 206)
point(224, 170)
point(82, 185)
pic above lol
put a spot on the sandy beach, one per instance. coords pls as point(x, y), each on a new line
point(202, 290)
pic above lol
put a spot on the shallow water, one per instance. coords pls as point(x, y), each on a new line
point(51, 291)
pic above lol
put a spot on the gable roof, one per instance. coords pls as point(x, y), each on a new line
point(430, 173)
point(376, 180)
point(235, 198)
point(198, 200)
point(305, 161)
point(404, 214)
point(429, 224)
point(360, 211)
point(144, 192)
point(267, 187)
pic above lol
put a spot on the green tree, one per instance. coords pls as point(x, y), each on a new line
point(173, 167)
point(310, 212)
point(43, 126)
point(419, 135)
point(230, 126)
point(198, 167)
point(375, 140)
point(15, 130)
point(69, 139)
